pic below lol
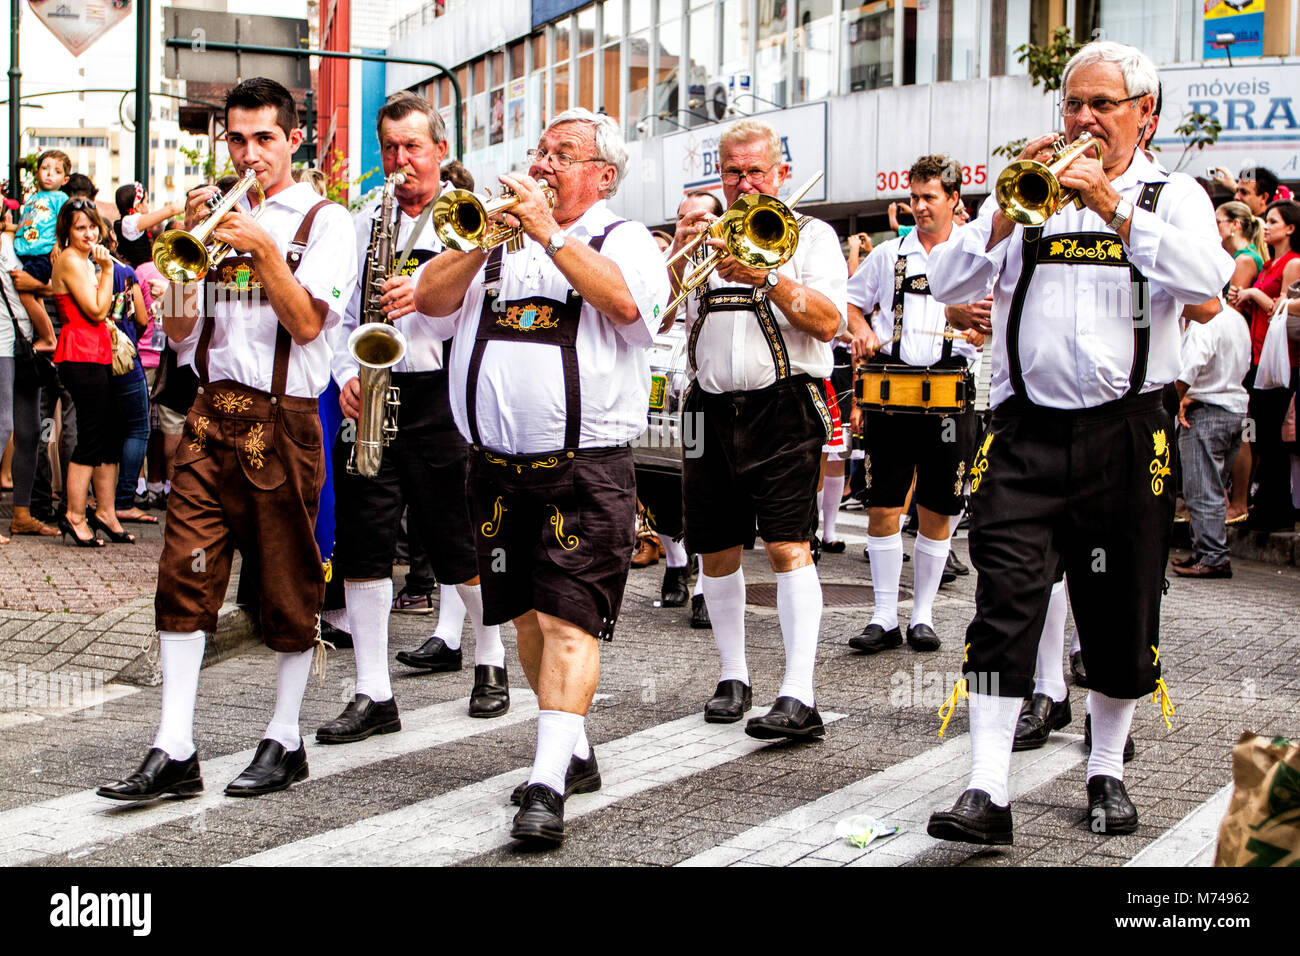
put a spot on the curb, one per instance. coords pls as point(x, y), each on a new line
point(236, 632)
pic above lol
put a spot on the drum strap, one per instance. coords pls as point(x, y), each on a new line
point(1034, 251)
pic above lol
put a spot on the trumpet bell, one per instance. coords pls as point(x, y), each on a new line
point(460, 220)
point(377, 345)
point(180, 256)
point(763, 234)
point(1028, 192)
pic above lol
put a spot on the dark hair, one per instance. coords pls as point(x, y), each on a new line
point(259, 93)
point(63, 225)
point(125, 198)
point(227, 183)
point(401, 105)
point(80, 185)
point(717, 203)
point(456, 174)
point(943, 168)
point(1265, 181)
point(56, 154)
point(1289, 210)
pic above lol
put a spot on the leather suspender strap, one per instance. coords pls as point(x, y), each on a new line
point(900, 275)
point(1028, 262)
point(1142, 303)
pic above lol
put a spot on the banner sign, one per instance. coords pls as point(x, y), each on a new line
point(79, 23)
point(1244, 19)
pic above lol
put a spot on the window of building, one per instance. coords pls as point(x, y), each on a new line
point(869, 39)
point(669, 67)
point(638, 57)
point(587, 81)
point(815, 37)
point(1142, 23)
point(772, 78)
point(613, 25)
point(516, 57)
point(587, 29)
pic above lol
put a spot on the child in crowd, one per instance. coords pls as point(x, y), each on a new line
point(35, 231)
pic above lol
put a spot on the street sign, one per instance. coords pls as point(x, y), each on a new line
point(198, 63)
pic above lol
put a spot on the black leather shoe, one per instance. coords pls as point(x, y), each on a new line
point(700, 613)
point(491, 694)
point(673, 592)
point(1077, 670)
point(360, 719)
point(974, 818)
point(956, 565)
point(158, 775)
point(834, 547)
point(1039, 716)
point(541, 816)
point(947, 576)
point(335, 635)
point(1130, 751)
point(1110, 811)
point(787, 718)
point(433, 655)
point(729, 702)
point(273, 769)
point(583, 776)
point(921, 637)
point(874, 639)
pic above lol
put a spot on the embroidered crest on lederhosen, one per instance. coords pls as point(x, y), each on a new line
point(529, 317)
point(229, 403)
point(235, 274)
point(199, 429)
point(1095, 247)
point(255, 447)
point(1159, 468)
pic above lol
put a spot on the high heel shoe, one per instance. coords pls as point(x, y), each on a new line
point(117, 537)
point(66, 527)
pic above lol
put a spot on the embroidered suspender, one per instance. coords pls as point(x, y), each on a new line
point(916, 285)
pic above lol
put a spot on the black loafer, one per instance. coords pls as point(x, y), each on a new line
point(433, 655)
point(921, 637)
point(729, 702)
point(1110, 811)
point(974, 818)
point(956, 565)
point(540, 819)
point(335, 635)
point(273, 769)
point(700, 613)
point(1077, 670)
point(158, 775)
point(833, 547)
point(1038, 718)
point(491, 694)
point(583, 776)
point(673, 592)
point(361, 719)
point(874, 639)
point(787, 718)
point(1130, 751)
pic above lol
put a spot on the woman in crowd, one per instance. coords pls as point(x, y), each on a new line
point(130, 393)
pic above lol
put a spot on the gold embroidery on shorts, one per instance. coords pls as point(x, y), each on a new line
point(567, 542)
point(228, 403)
point(1160, 464)
point(866, 471)
point(981, 464)
point(255, 446)
point(961, 473)
point(200, 431)
point(549, 462)
point(493, 525)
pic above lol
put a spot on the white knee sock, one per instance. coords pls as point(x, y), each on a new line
point(451, 616)
point(181, 658)
point(292, 673)
point(1111, 719)
point(954, 521)
point(674, 551)
point(992, 731)
point(832, 489)
point(928, 559)
point(699, 585)
point(799, 607)
point(582, 749)
point(886, 568)
point(557, 733)
point(1074, 641)
point(488, 649)
point(338, 617)
point(1050, 679)
point(369, 603)
point(725, 597)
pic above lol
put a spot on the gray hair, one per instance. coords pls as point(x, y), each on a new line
point(401, 105)
point(1139, 72)
point(609, 140)
point(748, 130)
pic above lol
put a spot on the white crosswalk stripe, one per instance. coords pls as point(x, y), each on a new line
point(476, 819)
point(903, 795)
point(1192, 840)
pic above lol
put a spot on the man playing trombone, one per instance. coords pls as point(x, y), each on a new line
point(759, 349)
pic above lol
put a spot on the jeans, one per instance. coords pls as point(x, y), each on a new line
point(1207, 450)
point(132, 400)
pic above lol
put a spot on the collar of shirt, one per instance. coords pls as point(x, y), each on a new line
point(592, 222)
point(1140, 170)
point(299, 197)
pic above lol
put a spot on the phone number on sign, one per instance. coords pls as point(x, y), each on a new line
point(898, 179)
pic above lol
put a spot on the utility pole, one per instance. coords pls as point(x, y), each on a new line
point(142, 21)
point(15, 137)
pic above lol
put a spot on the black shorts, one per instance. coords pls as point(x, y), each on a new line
point(1088, 491)
point(424, 470)
point(661, 493)
point(937, 448)
point(758, 463)
point(554, 534)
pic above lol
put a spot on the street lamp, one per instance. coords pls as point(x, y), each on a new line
point(1226, 40)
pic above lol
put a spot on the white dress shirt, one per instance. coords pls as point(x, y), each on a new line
point(1076, 334)
point(423, 352)
point(923, 320)
point(520, 398)
point(732, 353)
point(243, 337)
point(1215, 359)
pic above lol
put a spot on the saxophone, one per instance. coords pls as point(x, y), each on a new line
point(375, 343)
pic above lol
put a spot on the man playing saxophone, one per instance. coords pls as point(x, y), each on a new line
point(423, 467)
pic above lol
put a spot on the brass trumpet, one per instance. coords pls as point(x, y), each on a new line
point(760, 231)
point(1029, 193)
point(464, 221)
point(187, 256)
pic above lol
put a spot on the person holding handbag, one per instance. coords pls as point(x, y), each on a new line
point(130, 390)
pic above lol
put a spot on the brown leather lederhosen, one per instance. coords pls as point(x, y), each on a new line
point(249, 470)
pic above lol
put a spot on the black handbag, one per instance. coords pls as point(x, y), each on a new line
point(32, 370)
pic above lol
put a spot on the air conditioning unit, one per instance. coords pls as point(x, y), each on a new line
point(715, 101)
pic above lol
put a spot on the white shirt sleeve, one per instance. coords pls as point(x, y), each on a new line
point(131, 230)
point(1194, 353)
point(441, 327)
point(342, 366)
point(638, 258)
point(960, 270)
point(1178, 250)
point(824, 269)
point(328, 270)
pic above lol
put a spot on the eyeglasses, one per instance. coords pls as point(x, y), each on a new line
point(1098, 105)
point(756, 177)
point(559, 161)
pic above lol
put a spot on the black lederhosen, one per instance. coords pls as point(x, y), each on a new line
point(553, 531)
point(1087, 490)
point(759, 459)
point(424, 469)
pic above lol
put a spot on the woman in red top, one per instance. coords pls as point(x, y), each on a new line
point(84, 357)
point(1273, 509)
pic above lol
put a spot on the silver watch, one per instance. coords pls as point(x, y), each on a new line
point(554, 244)
point(1123, 211)
point(771, 280)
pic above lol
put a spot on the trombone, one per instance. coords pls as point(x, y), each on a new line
point(464, 220)
point(1029, 193)
point(187, 256)
point(760, 231)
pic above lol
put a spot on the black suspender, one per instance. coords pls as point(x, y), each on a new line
point(915, 285)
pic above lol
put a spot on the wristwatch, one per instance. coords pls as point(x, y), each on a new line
point(771, 280)
point(1122, 213)
point(554, 244)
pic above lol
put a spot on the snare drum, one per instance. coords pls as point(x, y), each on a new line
point(895, 387)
